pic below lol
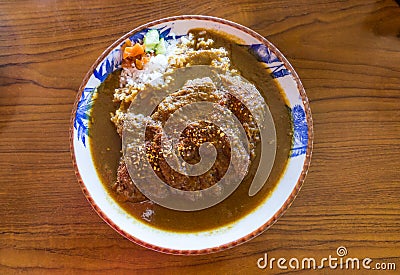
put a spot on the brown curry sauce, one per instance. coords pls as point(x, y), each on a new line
point(105, 146)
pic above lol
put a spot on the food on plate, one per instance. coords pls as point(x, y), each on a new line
point(152, 60)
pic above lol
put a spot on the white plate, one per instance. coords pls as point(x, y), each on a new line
point(214, 240)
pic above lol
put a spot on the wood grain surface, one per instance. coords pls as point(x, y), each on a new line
point(347, 54)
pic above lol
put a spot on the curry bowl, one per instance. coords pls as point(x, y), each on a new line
point(180, 58)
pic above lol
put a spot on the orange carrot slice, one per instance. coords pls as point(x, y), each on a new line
point(133, 51)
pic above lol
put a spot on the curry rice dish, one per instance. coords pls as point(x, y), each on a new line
point(152, 61)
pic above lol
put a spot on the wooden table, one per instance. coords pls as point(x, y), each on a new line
point(347, 54)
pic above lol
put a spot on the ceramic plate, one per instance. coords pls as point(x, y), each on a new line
point(225, 237)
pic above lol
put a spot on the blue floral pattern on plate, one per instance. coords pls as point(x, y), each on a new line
point(82, 117)
point(278, 70)
point(300, 131)
point(110, 64)
point(164, 31)
point(81, 123)
point(264, 54)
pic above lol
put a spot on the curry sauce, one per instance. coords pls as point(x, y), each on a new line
point(105, 146)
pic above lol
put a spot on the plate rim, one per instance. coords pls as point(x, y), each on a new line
point(290, 198)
